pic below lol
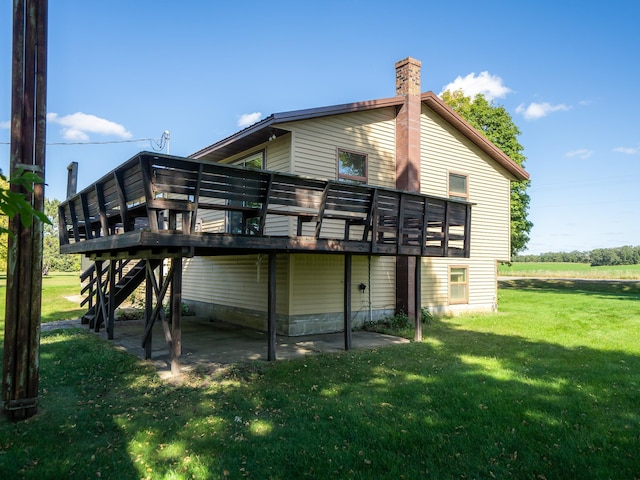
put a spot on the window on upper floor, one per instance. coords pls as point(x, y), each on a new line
point(236, 221)
point(352, 166)
point(255, 160)
point(458, 285)
point(458, 186)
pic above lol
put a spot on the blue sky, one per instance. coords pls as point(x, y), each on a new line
point(566, 71)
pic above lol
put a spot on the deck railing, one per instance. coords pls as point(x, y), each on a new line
point(163, 194)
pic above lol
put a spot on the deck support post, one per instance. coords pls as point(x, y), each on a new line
point(101, 311)
point(418, 298)
point(347, 301)
point(176, 315)
point(110, 320)
point(271, 315)
point(148, 308)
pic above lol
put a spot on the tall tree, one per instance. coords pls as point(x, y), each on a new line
point(495, 123)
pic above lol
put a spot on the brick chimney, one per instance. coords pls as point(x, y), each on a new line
point(408, 77)
point(407, 167)
point(408, 125)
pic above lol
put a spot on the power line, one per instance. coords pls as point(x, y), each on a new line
point(96, 143)
point(155, 143)
point(102, 143)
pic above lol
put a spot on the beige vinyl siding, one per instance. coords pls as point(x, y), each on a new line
point(212, 220)
point(318, 285)
point(383, 280)
point(279, 154)
point(435, 284)
point(278, 158)
point(444, 150)
point(237, 281)
point(316, 143)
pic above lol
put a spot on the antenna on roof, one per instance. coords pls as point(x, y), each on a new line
point(167, 136)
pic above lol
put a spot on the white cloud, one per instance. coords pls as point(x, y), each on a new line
point(539, 110)
point(6, 124)
point(77, 126)
point(627, 150)
point(581, 153)
point(489, 85)
point(247, 119)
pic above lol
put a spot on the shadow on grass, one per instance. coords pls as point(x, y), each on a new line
point(462, 403)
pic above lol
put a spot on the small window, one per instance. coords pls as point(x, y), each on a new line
point(352, 167)
point(236, 221)
point(458, 186)
point(255, 160)
point(458, 285)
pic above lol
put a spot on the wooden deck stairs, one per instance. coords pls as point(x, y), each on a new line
point(128, 280)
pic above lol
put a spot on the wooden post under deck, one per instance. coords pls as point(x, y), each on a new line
point(347, 301)
point(176, 315)
point(271, 302)
point(110, 321)
point(418, 297)
point(148, 308)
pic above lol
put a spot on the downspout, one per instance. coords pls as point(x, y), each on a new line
point(370, 292)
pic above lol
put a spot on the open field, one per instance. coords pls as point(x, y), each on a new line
point(548, 388)
point(570, 270)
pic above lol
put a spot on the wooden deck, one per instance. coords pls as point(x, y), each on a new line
point(148, 208)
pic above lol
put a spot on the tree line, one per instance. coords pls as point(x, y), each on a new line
point(625, 255)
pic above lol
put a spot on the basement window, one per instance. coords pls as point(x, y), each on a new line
point(352, 166)
point(458, 186)
point(458, 285)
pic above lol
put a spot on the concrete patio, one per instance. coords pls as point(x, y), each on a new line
point(213, 344)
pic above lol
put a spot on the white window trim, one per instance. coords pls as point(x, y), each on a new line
point(451, 194)
point(464, 301)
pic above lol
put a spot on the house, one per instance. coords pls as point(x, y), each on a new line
point(412, 142)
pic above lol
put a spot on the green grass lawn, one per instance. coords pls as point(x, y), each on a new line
point(570, 270)
point(56, 287)
point(548, 388)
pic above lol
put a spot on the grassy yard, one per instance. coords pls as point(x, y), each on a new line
point(56, 287)
point(570, 270)
point(548, 388)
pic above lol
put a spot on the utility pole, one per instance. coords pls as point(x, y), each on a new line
point(21, 359)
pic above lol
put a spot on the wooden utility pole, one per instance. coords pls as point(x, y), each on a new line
point(20, 367)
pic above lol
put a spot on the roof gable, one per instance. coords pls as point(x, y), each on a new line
point(261, 131)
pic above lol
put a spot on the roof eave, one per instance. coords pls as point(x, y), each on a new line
point(244, 133)
point(257, 129)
